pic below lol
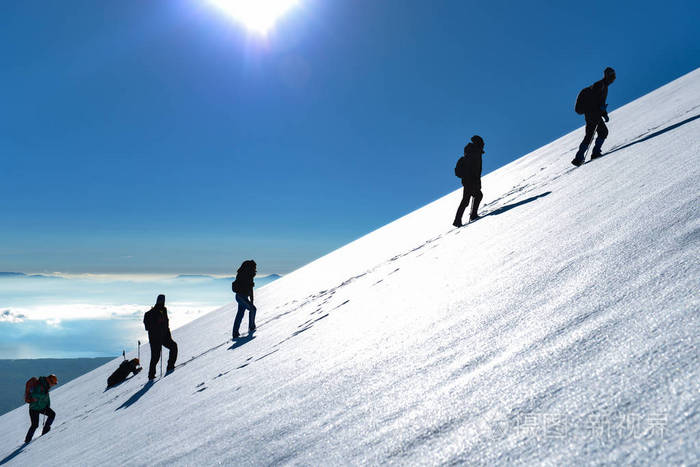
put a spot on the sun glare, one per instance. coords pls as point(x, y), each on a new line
point(257, 15)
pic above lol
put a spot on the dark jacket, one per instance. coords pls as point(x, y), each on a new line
point(121, 373)
point(599, 94)
point(471, 175)
point(157, 323)
point(243, 284)
point(40, 394)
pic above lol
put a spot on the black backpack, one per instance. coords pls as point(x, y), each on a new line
point(583, 100)
point(460, 167)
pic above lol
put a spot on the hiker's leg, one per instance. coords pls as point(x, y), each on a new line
point(171, 345)
point(590, 131)
point(478, 196)
point(462, 205)
point(251, 319)
point(34, 419)
point(602, 134)
point(243, 304)
point(155, 356)
point(50, 414)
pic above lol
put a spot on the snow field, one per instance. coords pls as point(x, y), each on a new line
point(560, 328)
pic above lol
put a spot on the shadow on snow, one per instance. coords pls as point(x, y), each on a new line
point(655, 134)
point(13, 455)
point(508, 207)
point(136, 396)
point(240, 341)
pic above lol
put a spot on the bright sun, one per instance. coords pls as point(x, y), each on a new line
point(257, 15)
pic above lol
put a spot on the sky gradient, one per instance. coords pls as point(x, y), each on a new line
point(162, 137)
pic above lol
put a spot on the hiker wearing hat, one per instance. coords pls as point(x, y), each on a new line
point(243, 288)
point(121, 373)
point(157, 325)
point(469, 170)
point(37, 394)
point(591, 102)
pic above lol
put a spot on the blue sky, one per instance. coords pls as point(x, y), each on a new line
point(162, 137)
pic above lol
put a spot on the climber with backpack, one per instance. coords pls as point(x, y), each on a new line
point(121, 373)
point(158, 326)
point(243, 288)
point(468, 169)
point(36, 394)
point(591, 103)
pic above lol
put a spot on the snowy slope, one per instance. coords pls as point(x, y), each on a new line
point(562, 327)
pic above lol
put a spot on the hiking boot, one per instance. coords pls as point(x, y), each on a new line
point(577, 162)
point(596, 155)
point(457, 223)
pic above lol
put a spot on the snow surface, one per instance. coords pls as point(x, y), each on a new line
point(560, 328)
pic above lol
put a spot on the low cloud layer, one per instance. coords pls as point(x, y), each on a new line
point(180, 313)
point(9, 316)
point(97, 315)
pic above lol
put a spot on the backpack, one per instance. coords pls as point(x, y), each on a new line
point(460, 167)
point(583, 100)
point(31, 384)
point(121, 373)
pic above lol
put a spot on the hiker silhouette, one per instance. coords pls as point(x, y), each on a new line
point(243, 288)
point(157, 325)
point(468, 169)
point(591, 103)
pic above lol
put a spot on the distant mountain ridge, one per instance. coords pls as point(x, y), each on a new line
point(12, 275)
point(268, 278)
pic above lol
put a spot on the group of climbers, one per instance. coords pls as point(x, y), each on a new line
point(158, 326)
point(591, 103)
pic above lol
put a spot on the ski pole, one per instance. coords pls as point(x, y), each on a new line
point(139, 355)
point(124, 354)
point(161, 362)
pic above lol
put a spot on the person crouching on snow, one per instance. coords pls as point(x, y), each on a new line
point(243, 288)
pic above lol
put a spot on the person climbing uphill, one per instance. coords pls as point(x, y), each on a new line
point(37, 395)
point(591, 103)
point(157, 325)
point(469, 170)
point(243, 288)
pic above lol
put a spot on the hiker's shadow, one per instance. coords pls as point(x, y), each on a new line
point(13, 455)
point(136, 396)
point(508, 207)
point(239, 341)
point(655, 134)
